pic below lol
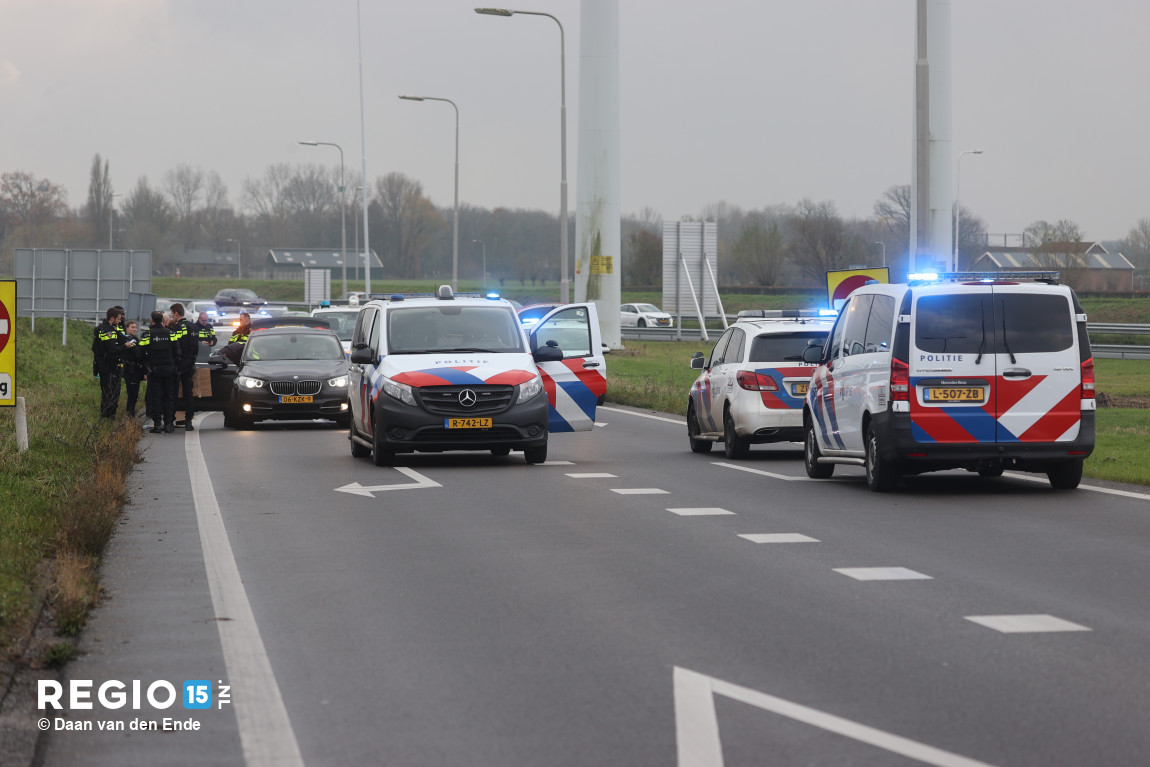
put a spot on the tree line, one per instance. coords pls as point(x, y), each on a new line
point(300, 206)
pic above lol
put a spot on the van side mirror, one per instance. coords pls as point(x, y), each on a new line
point(548, 353)
point(363, 356)
point(813, 354)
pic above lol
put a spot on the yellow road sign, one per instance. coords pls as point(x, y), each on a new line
point(8, 343)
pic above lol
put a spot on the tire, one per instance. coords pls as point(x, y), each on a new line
point(228, 418)
point(734, 446)
point(535, 454)
point(1065, 476)
point(642, 322)
point(811, 455)
point(343, 421)
point(881, 475)
point(380, 455)
point(357, 450)
point(697, 445)
point(500, 451)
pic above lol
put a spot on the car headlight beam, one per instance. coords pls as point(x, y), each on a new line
point(401, 392)
point(530, 389)
point(339, 382)
point(248, 382)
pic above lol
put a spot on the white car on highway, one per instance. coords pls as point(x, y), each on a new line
point(644, 316)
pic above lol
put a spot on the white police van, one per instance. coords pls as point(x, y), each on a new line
point(969, 370)
point(459, 372)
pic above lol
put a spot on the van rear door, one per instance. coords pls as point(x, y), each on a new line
point(1037, 392)
point(953, 366)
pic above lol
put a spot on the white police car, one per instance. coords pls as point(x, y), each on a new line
point(753, 383)
point(448, 372)
point(978, 371)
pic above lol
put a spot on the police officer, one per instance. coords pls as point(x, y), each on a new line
point(187, 336)
point(162, 356)
point(134, 370)
point(108, 347)
point(243, 330)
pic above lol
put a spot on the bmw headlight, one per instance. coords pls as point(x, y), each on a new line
point(401, 392)
point(248, 382)
point(530, 389)
point(339, 382)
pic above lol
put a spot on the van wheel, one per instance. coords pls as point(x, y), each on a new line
point(380, 455)
point(734, 446)
point(1065, 476)
point(535, 454)
point(881, 476)
point(697, 445)
point(357, 450)
point(811, 455)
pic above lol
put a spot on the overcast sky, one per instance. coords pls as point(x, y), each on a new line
point(746, 101)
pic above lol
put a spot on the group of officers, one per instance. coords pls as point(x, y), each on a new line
point(164, 355)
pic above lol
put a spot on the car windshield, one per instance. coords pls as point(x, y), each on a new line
point(294, 346)
point(343, 323)
point(422, 329)
point(645, 308)
point(783, 347)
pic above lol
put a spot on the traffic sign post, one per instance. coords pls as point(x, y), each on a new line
point(7, 343)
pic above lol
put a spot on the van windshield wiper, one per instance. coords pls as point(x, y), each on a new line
point(1005, 341)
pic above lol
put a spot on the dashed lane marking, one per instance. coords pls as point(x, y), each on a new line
point(639, 491)
point(701, 511)
point(593, 475)
point(1025, 624)
point(779, 538)
point(882, 574)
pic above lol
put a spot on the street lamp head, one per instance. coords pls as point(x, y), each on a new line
point(978, 151)
point(411, 98)
point(494, 11)
point(310, 143)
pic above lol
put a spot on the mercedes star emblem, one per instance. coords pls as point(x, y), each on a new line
point(467, 398)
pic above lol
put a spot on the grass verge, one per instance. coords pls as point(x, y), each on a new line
point(60, 499)
point(656, 375)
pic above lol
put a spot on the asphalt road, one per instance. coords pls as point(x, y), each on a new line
point(626, 603)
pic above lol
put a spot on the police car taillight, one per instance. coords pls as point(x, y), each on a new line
point(1088, 379)
point(752, 381)
point(899, 381)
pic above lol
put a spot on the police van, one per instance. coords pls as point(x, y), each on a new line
point(984, 372)
point(459, 372)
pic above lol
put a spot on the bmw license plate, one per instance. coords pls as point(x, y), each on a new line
point(296, 399)
point(952, 394)
point(467, 423)
point(799, 389)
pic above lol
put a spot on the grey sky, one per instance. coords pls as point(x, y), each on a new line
point(751, 102)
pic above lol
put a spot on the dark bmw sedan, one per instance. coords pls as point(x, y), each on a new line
point(290, 373)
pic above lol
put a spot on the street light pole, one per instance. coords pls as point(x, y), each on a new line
point(484, 244)
point(111, 210)
point(239, 266)
point(342, 208)
point(957, 180)
point(564, 288)
point(455, 224)
point(883, 246)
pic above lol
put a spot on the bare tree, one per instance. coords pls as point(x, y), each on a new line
point(759, 254)
point(266, 199)
point(643, 258)
point(817, 242)
point(149, 222)
point(1137, 244)
point(1057, 246)
point(409, 219)
point(99, 200)
point(185, 186)
point(893, 210)
point(29, 203)
point(971, 237)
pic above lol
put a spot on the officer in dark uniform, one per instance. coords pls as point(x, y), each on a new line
point(108, 347)
point(134, 370)
point(186, 335)
point(162, 356)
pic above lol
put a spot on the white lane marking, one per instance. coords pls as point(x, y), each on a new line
point(779, 538)
point(592, 475)
point(557, 463)
point(1092, 488)
point(419, 483)
point(1123, 493)
point(1025, 624)
point(664, 419)
point(882, 574)
point(639, 491)
point(761, 472)
point(701, 511)
point(265, 730)
point(697, 726)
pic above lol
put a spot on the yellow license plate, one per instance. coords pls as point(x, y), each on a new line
point(296, 399)
point(467, 423)
point(951, 394)
point(799, 389)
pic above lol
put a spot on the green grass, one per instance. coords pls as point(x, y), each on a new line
point(53, 497)
point(656, 375)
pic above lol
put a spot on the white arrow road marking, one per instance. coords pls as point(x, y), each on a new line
point(420, 482)
point(697, 727)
